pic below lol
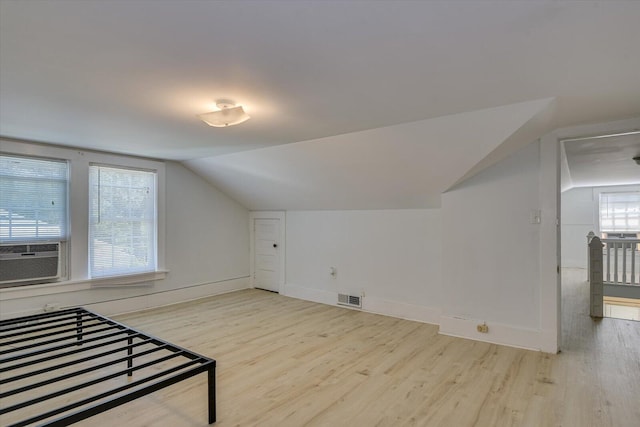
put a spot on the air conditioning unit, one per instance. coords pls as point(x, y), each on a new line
point(29, 262)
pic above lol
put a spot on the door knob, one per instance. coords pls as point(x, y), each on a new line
point(275, 245)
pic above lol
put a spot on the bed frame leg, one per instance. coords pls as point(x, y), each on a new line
point(130, 359)
point(79, 327)
point(211, 373)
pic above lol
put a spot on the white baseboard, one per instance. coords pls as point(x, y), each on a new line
point(499, 333)
point(449, 325)
point(308, 294)
point(148, 301)
point(175, 296)
point(402, 310)
point(369, 304)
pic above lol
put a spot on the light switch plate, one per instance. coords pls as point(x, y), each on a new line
point(535, 216)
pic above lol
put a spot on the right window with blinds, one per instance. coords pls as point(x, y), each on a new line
point(122, 221)
point(620, 213)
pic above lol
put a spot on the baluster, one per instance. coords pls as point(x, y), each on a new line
point(633, 263)
point(608, 246)
point(615, 262)
point(624, 261)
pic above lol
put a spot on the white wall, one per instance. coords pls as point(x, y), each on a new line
point(565, 173)
point(207, 232)
point(422, 264)
point(206, 248)
point(477, 259)
point(393, 256)
point(491, 252)
point(579, 217)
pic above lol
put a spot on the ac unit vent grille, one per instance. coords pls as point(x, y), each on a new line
point(46, 247)
point(13, 249)
point(350, 300)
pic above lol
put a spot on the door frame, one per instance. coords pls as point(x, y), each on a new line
point(280, 215)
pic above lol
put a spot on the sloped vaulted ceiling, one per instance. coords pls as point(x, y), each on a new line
point(402, 166)
point(397, 100)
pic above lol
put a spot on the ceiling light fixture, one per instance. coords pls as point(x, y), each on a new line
point(228, 115)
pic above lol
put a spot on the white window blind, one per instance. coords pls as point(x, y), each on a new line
point(122, 221)
point(620, 212)
point(33, 199)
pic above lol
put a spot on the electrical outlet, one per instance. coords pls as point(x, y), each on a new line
point(483, 328)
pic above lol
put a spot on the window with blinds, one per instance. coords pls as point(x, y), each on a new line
point(33, 199)
point(122, 221)
point(620, 212)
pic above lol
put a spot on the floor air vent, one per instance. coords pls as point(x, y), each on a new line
point(349, 300)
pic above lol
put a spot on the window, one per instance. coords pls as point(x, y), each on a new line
point(620, 212)
point(122, 221)
point(33, 199)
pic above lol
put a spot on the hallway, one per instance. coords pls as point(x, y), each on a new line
point(599, 362)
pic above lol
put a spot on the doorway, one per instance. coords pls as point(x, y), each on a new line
point(600, 190)
point(267, 251)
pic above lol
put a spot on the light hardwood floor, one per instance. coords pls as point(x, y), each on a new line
point(622, 308)
point(286, 362)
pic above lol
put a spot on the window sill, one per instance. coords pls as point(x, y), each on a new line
point(140, 279)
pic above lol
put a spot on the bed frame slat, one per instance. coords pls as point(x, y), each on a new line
point(88, 331)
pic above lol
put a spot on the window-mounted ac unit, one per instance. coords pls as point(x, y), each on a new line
point(29, 262)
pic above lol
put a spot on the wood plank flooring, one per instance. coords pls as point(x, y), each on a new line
point(287, 362)
point(622, 308)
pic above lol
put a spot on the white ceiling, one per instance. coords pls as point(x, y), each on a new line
point(603, 161)
point(130, 76)
point(354, 104)
point(402, 166)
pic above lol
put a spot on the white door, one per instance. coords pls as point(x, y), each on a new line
point(266, 262)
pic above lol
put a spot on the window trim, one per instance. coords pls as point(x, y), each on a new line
point(156, 217)
point(596, 191)
point(67, 221)
point(626, 215)
point(132, 280)
point(77, 277)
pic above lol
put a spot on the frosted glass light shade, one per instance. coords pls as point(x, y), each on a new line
point(226, 116)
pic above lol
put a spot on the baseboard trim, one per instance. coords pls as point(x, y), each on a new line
point(369, 304)
point(174, 296)
point(309, 294)
point(499, 333)
point(401, 310)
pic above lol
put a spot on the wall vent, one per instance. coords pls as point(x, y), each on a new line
point(350, 300)
point(29, 263)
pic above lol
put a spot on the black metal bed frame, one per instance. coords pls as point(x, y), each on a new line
point(86, 345)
